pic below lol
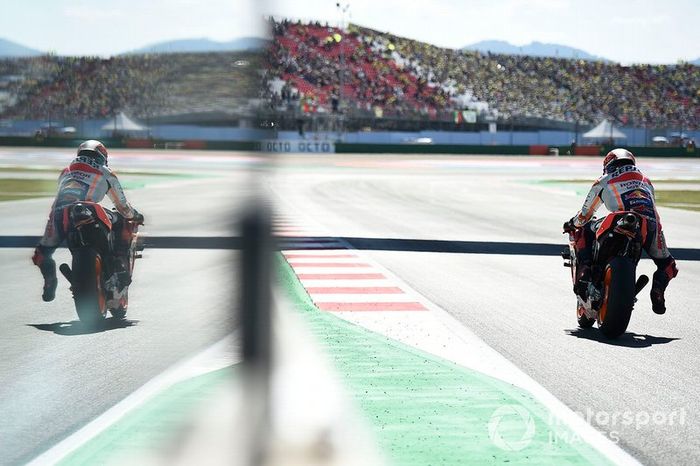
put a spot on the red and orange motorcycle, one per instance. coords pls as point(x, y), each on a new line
point(104, 246)
point(608, 293)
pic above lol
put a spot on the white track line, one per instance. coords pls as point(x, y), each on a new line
point(320, 283)
point(301, 262)
point(317, 253)
point(363, 298)
point(334, 270)
point(217, 356)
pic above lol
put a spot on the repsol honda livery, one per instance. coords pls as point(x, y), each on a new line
point(604, 253)
point(103, 243)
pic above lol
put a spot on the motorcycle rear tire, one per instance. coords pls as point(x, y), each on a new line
point(618, 297)
point(88, 293)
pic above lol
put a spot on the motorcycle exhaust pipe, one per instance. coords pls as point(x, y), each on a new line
point(630, 220)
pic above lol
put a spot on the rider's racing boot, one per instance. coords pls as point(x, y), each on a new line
point(666, 271)
point(42, 259)
point(658, 302)
point(123, 275)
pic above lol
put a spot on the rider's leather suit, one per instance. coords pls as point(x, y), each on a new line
point(83, 180)
point(626, 188)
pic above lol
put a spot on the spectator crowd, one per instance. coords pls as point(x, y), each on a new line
point(312, 67)
point(371, 70)
point(141, 85)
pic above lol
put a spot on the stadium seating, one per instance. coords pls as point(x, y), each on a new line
point(404, 76)
point(52, 87)
point(317, 68)
point(312, 58)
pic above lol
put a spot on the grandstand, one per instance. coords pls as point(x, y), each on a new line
point(389, 75)
point(145, 86)
point(362, 77)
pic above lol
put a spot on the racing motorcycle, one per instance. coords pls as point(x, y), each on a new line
point(104, 246)
point(608, 296)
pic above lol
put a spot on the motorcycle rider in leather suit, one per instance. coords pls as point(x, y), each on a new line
point(87, 178)
point(624, 187)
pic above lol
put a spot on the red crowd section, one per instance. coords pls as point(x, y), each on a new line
point(312, 58)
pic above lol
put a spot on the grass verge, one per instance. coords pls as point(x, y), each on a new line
point(664, 181)
point(56, 171)
point(687, 199)
point(679, 199)
point(12, 189)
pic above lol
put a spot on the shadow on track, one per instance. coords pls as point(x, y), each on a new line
point(480, 247)
point(629, 339)
point(370, 244)
point(78, 328)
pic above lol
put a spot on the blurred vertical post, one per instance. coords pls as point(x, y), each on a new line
point(256, 323)
point(255, 305)
point(341, 81)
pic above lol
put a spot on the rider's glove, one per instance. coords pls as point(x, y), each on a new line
point(138, 217)
point(569, 226)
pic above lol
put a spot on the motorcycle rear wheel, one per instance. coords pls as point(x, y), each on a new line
point(88, 293)
point(618, 299)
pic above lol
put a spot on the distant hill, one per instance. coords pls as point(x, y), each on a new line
point(537, 49)
point(695, 62)
point(203, 45)
point(13, 49)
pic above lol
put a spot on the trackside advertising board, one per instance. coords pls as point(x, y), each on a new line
point(297, 145)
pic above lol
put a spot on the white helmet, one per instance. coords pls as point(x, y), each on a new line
point(94, 150)
point(617, 158)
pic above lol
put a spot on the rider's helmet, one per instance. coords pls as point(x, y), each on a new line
point(617, 158)
point(94, 151)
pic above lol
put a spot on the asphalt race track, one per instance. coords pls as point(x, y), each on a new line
point(444, 224)
point(55, 378)
point(521, 305)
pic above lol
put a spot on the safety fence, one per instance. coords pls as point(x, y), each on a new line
point(593, 150)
